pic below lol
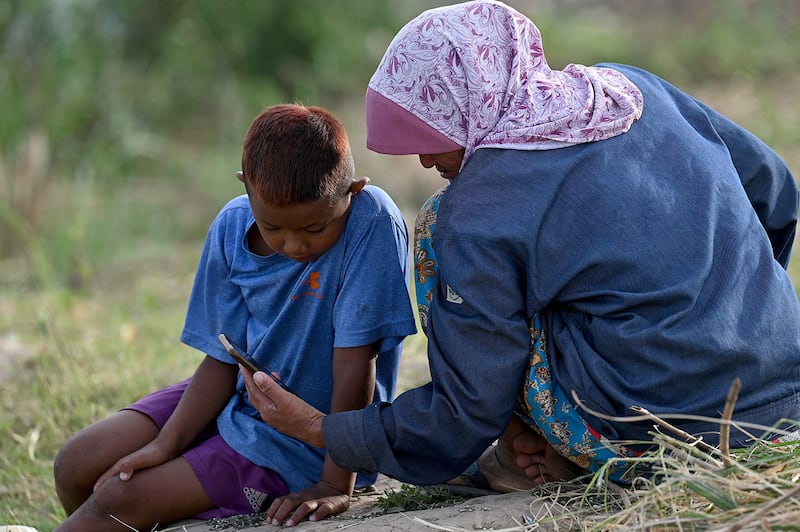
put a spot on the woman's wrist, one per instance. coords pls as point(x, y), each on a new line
point(314, 434)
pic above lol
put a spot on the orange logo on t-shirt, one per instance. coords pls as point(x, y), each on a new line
point(313, 283)
point(313, 280)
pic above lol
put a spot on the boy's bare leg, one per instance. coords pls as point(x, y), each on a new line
point(90, 452)
point(521, 459)
point(162, 494)
point(159, 495)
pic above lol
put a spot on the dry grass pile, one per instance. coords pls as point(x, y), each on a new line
point(692, 488)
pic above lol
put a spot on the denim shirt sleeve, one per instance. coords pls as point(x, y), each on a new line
point(478, 337)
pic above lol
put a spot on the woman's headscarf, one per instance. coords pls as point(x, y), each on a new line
point(476, 74)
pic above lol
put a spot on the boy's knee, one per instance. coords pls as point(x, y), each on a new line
point(68, 454)
point(70, 477)
point(72, 465)
point(63, 465)
point(114, 497)
point(111, 499)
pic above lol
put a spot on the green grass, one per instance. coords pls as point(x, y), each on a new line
point(95, 270)
point(82, 357)
point(409, 498)
point(76, 347)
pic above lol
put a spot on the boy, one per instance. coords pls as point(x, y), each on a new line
point(308, 273)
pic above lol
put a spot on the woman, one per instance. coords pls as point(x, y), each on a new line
point(604, 239)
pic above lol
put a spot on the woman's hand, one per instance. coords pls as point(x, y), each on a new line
point(151, 455)
point(283, 410)
point(315, 503)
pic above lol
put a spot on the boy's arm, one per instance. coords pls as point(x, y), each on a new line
point(353, 388)
point(212, 385)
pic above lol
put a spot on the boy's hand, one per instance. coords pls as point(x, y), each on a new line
point(150, 455)
point(283, 410)
point(314, 503)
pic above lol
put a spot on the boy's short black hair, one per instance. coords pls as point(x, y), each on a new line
point(295, 154)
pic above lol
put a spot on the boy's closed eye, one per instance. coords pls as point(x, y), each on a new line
point(315, 230)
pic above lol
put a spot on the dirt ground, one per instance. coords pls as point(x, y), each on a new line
point(510, 511)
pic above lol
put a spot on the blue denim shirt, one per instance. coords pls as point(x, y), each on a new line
point(657, 260)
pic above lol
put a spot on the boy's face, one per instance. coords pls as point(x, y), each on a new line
point(300, 231)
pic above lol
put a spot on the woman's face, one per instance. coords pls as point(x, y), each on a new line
point(447, 164)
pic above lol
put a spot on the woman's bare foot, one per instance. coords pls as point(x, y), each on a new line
point(487, 473)
point(535, 457)
point(520, 460)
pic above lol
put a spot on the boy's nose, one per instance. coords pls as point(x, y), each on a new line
point(293, 246)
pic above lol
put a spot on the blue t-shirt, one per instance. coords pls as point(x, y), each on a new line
point(290, 316)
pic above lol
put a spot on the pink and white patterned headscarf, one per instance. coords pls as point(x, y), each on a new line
point(476, 73)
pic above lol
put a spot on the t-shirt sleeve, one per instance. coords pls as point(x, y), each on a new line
point(216, 305)
point(373, 302)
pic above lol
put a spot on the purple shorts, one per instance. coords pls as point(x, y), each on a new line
point(234, 484)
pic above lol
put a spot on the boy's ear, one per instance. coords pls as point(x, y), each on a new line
point(358, 184)
point(240, 176)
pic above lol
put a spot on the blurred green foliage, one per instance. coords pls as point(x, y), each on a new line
point(106, 79)
point(100, 97)
point(121, 118)
point(121, 127)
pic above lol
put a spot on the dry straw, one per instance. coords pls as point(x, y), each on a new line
point(693, 486)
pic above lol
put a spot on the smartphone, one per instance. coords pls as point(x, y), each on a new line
point(242, 357)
